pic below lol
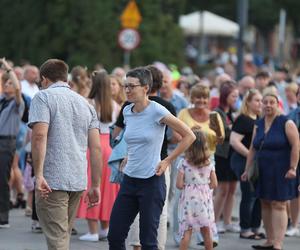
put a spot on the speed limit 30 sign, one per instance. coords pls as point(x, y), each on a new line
point(129, 39)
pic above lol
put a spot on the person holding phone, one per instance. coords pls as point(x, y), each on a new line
point(211, 124)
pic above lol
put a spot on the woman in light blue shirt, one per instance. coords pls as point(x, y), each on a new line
point(143, 189)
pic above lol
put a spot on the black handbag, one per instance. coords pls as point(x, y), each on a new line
point(253, 174)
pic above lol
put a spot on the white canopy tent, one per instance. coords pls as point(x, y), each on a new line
point(207, 23)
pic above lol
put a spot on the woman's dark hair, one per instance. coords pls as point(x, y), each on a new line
point(144, 76)
point(157, 78)
point(101, 93)
point(225, 90)
point(262, 74)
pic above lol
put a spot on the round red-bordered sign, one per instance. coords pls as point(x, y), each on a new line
point(129, 39)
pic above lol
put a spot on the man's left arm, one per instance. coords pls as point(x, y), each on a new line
point(38, 149)
point(96, 166)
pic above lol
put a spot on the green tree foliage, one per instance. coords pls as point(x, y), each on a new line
point(85, 32)
point(224, 8)
point(161, 40)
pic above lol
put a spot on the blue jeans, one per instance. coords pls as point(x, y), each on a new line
point(144, 196)
point(250, 208)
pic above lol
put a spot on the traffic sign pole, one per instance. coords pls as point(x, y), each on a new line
point(126, 59)
point(129, 38)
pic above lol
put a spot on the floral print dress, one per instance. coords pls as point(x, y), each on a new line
point(195, 209)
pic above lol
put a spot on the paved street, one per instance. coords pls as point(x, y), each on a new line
point(19, 237)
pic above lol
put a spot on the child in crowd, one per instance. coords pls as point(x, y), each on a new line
point(196, 177)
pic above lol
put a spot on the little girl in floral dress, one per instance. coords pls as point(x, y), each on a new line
point(196, 178)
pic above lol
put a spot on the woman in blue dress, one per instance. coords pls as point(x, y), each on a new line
point(275, 143)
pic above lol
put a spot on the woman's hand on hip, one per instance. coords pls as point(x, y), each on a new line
point(291, 174)
point(244, 176)
point(162, 166)
point(123, 164)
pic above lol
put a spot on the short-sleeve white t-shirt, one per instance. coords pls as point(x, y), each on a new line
point(144, 134)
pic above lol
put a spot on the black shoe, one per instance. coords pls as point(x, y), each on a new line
point(20, 202)
point(74, 231)
point(251, 237)
point(215, 243)
point(11, 205)
point(261, 247)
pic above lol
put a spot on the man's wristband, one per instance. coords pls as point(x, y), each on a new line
point(294, 168)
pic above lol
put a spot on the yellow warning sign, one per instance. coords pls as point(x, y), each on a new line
point(131, 16)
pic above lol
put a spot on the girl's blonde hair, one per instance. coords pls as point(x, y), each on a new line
point(292, 87)
point(248, 98)
point(121, 97)
point(198, 153)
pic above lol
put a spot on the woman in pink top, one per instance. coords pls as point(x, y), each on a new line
point(107, 111)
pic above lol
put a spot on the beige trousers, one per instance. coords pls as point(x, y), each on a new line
point(133, 235)
point(56, 215)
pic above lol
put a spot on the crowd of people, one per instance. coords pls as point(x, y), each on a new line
point(183, 147)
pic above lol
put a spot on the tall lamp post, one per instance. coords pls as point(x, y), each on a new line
point(242, 15)
point(282, 22)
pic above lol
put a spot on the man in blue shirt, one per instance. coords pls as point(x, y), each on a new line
point(11, 112)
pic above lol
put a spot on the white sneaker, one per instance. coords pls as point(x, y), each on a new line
point(89, 237)
point(4, 225)
point(176, 239)
point(220, 227)
point(35, 227)
point(293, 231)
point(232, 228)
point(103, 234)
